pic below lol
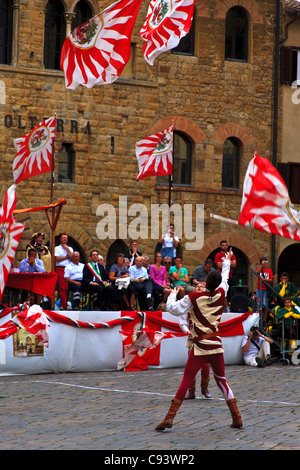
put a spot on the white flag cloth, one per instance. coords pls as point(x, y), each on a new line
point(167, 22)
point(155, 154)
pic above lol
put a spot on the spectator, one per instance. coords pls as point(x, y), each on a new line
point(179, 277)
point(266, 274)
point(291, 314)
point(219, 259)
point(142, 285)
point(167, 262)
point(73, 275)
point(285, 288)
point(158, 273)
point(168, 243)
point(63, 256)
point(119, 272)
point(133, 252)
point(256, 349)
point(145, 263)
point(32, 264)
point(202, 271)
point(43, 252)
point(95, 281)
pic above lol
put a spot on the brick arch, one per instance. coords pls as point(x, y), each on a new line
point(201, 8)
point(234, 239)
point(251, 6)
point(233, 129)
point(182, 124)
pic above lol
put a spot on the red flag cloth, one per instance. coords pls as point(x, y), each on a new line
point(266, 204)
point(96, 52)
point(233, 327)
point(33, 320)
point(166, 23)
point(34, 151)
point(136, 355)
point(10, 235)
point(155, 154)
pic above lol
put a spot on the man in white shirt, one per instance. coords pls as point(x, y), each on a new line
point(73, 275)
point(141, 283)
point(63, 256)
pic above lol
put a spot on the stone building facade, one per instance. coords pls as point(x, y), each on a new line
point(216, 102)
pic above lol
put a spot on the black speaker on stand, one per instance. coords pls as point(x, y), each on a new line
point(239, 299)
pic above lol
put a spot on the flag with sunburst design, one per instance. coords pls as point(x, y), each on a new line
point(10, 234)
point(155, 154)
point(34, 151)
point(166, 23)
point(96, 52)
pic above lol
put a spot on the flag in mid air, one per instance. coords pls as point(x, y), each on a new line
point(155, 154)
point(34, 151)
point(166, 23)
point(96, 52)
point(266, 204)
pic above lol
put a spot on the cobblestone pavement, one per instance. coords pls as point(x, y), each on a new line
point(119, 410)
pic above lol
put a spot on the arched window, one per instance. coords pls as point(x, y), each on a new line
point(6, 29)
point(236, 34)
point(118, 246)
point(83, 13)
point(186, 45)
point(182, 160)
point(55, 34)
point(231, 163)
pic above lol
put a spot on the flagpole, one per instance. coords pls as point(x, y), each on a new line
point(171, 175)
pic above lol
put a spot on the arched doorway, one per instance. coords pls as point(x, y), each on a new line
point(118, 246)
point(289, 262)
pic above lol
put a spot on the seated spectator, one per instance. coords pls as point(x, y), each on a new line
point(126, 262)
point(285, 288)
point(145, 263)
point(201, 272)
point(73, 275)
point(95, 281)
point(43, 252)
point(167, 262)
point(257, 349)
point(179, 277)
point(142, 285)
point(158, 274)
point(133, 252)
point(119, 272)
point(32, 265)
point(291, 314)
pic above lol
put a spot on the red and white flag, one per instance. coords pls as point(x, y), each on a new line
point(155, 154)
point(10, 234)
point(96, 52)
point(166, 23)
point(34, 151)
point(266, 204)
point(33, 320)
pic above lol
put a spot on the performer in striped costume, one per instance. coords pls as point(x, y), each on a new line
point(205, 308)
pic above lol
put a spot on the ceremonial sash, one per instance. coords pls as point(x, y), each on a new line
point(95, 272)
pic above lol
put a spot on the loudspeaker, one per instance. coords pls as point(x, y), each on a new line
point(239, 299)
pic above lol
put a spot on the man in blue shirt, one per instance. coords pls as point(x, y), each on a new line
point(141, 283)
point(32, 264)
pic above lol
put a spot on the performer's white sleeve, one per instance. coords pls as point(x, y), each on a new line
point(178, 307)
point(184, 323)
point(225, 275)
